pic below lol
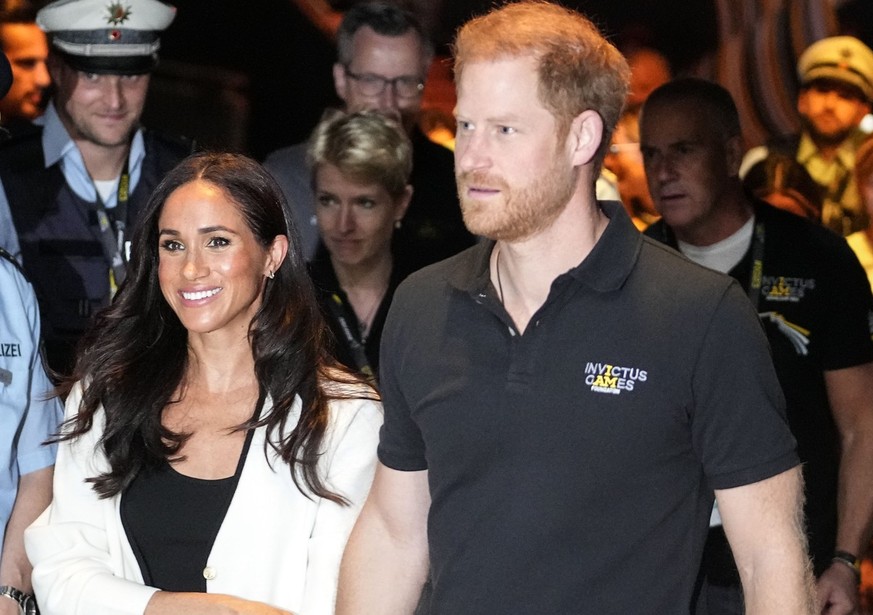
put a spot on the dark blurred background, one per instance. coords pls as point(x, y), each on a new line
point(255, 75)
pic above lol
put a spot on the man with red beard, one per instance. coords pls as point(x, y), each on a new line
point(836, 90)
point(563, 401)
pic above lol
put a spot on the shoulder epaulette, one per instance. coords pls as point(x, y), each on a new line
point(7, 256)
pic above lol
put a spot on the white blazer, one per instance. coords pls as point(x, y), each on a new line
point(275, 545)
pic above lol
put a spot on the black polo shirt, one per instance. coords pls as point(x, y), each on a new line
point(571, 468)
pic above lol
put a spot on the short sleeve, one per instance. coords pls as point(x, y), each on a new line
point(739, 426)
point(401, 446)
point(44, 412)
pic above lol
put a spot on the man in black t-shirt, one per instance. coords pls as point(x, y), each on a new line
point(562, 402)
point(814, 301)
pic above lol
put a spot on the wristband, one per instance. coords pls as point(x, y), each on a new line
point(850, 560)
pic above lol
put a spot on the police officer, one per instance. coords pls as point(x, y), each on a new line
point(836, 91)
point(75, 188)
point(27, 418)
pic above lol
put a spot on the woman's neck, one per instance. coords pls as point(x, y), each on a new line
point(218, 366)
point(365, 287)
point(372, 275)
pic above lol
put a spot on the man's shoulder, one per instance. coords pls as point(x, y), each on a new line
point(168, 144)
point(289, 156)
point(9, 266)
point(17, 292)
point(804, 237)
point(659, 231)
point(456, 272)
point(21, 150)
point(660, 260)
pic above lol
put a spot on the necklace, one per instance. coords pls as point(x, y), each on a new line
point(499, 282)
point(365, 322)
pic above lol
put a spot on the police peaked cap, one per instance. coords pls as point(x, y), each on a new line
point(107, 36)
point(838, 58)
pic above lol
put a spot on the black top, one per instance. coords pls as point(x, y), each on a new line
point(171, 521)
point(572, 468)
point(815, 304)
point(344, 327)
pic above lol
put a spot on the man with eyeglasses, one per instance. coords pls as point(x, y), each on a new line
point(383, 57)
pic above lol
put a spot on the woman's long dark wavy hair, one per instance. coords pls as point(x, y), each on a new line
point(134, 357)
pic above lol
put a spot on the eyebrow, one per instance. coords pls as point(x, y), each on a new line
point(202, 231)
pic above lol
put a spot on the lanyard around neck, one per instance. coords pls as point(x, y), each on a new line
point(339, 311)
point(757, 273)
point(112, 227)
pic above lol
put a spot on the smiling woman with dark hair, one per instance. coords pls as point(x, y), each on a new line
point(210, 449)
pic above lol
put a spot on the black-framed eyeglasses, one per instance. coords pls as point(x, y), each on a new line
point(373, 85)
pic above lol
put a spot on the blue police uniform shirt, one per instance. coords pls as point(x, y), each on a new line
point(27, 418)
point(58, 146)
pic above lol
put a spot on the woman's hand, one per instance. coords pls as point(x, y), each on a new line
point(175, 603)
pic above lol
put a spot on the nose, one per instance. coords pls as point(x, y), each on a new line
point(41, 75)
point(195, 266)
point(388, 98)
point(471, 150)
point(659, 168)
point(346, 221)
point(831, 99)
point(113, 92)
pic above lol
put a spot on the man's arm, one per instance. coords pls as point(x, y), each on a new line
point(763, 522)
point(386, 560)
point(34, 495)
point(852, 407)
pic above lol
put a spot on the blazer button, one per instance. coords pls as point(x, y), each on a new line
point(209, 573)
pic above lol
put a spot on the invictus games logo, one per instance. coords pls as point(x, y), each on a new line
point(797, 335)
point(612, 379)
point(781, 288)
point(118, 14)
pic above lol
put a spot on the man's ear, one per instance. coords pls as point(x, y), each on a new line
point(802, 102)
point(339, 80)
point(734, 155)
point(585, 136)
point(55, 66)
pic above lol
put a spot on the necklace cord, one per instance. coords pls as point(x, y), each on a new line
point(499, 282)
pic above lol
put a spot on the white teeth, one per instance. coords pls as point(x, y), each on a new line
point(200, 294)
